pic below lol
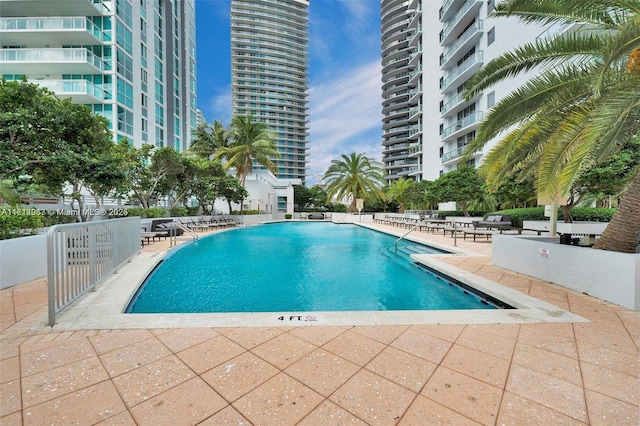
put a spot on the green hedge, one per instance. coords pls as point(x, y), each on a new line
point(151, 212)
point(16, 222)
point(590, 214)
point(245, 212)
point(472, 213)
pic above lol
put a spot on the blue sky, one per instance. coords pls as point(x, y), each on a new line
point(344, 75)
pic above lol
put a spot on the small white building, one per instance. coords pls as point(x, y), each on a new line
point(267, 194)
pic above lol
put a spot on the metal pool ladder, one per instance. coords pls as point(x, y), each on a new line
point(407, 233)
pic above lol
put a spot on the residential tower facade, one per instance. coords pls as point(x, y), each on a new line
point(131, 61)
point(430, 50)
point(269, 74)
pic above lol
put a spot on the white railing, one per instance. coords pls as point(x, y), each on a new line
point(81, 255)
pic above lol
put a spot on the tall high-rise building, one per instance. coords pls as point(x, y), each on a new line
point(269, 74)
point(430, 49)
point(132, 61)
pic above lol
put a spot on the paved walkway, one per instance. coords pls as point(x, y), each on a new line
point(539, 374)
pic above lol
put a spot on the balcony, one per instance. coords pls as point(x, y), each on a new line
point(461, 125)
point(414, 75)
point(416, 15)
point(415, 131)
point(415, 56)
point(56, 61)
point(415, 37)
point(452, 103)
point(448, 9)
point(56, 31)
point(465, 70)
point(415, 170)
point(56, 8)
point(415, 150)
point(415, 112)
point(459, 21)
point(462, 44)
point(452, 155)
point(415, 94)
point(80, 91)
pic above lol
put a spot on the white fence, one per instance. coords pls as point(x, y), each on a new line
point(80, 255)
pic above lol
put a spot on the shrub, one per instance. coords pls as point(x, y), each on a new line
point(245, 212)
point(460, 213)
point(518, 216)
point(151, 212)
point(179, 211)
point(52, 218)
point(16, 222)
point(288, 216)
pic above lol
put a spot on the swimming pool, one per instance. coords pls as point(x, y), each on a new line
point(296, 267)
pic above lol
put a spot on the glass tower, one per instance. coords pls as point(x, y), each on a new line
point(132, 61)
point(269, 74)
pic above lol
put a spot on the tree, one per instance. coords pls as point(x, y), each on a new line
point(230, 189)
point(302, 197)
point(516, 191)
point(355, 176)
point(60, 145)
point(580, 108)
point(399, 190)
point(202, 182)
point(462, 185)
point(209, 139)
point(249, 141)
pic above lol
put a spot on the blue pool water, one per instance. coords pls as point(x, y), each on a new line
point(296, 267)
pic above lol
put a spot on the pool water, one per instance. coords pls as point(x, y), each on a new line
point(296, 267)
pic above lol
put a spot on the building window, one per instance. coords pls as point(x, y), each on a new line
point(491, 36)
point(490, 6)
point(491, 99)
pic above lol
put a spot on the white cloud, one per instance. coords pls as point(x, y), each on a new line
point(218, 107)
point(346, 116)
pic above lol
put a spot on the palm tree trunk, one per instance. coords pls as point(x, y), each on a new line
point(622, 232)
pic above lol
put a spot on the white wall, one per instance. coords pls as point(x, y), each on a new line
point(611, 276)
point(22, 259)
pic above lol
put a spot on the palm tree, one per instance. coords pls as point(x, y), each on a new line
point(249, 141)
point(355, 176)
point(209, 139)
point(399, 191)
point(581, 107)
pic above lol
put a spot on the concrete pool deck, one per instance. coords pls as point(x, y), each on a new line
point(582, 372)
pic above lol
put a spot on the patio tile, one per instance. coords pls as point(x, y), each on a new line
point(59, 381)
point(611, 383)
point(402, 368)
point(604, 410)
point(284, 350)
point(448, 332)
point(329, 414)
point(210, 354)
point(424, 411)
point(9, 369)
point(226, 416)
point(279, 401)
point(180, 339)
point(421, 345)
point(236, 377)
point(611, 341)
point(123, 418)
point(186, 404)
point(10, 398)
point(317, 335)
point(252, 337)
point(601, 356)
point(14, 419)
point(556, 338)
point(549, 391)
point(382, 334)
point(484, 340)
point(516, 410)
point(543, 361)
point(354, 347)
point(507, 331)
point(152, 379)
point(83, 407)
point(470, 397)
point(114, 339)
point(479, 365)
point(322, 371)
point(373, 398)
point(127, 358)
point(631, 321)
point(55, 356)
